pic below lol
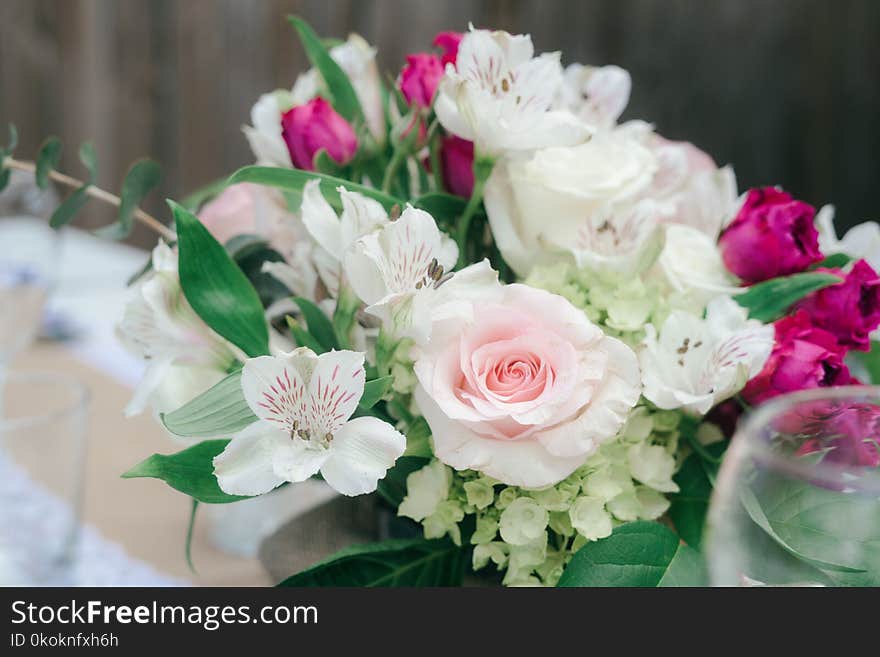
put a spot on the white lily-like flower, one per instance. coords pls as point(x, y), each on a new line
point(336, 234)
point(860, 242)
point(696, 363)
point(595, 94)
point(185, 357)
point(398, 270)
point(500, 96)
point(303, 403)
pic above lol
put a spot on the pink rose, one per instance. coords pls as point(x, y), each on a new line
point(803, 357)
point(457, 160)
point(851, 309)
point(314, 126)
point(517, 383)
point(772, 235)
point(420, 77)
point(234, 212)
point(448, 42)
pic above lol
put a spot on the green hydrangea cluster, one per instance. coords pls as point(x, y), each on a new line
point(620, 305)
point(532, 534)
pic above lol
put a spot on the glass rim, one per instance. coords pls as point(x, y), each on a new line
point(754, 424)
point(77, 404)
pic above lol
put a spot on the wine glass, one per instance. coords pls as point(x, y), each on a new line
point(28, 252)
point(43, 428)
point(797, 498)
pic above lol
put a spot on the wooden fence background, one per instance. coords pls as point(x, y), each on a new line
point(786, 90)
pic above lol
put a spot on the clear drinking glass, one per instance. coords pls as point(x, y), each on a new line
point(29, 250)
point(797, 498)
point(43, 429)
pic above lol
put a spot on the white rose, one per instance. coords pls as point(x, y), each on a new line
point(579, 200)
point(692, 266)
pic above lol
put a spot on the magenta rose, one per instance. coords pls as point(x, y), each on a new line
point(851, 309)
point(772, 235)
point(420, 77)
point(448, 42)
point(457, 160)
point(804, 356)
point(316, 126)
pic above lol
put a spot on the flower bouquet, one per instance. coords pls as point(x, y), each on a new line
point(529, 328)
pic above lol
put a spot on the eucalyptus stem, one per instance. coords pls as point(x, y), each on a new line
point(96, 193)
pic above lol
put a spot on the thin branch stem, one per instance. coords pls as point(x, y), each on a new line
point(97, 193)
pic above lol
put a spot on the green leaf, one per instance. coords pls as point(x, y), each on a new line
point(205, 193)
point(250, 253)
point(445, 208)
point(142, 177)
point(4, 177)
point(687, 568)
point(13, 139)
point(688, 507)
point(216, 288)
point(834, 261)
point(374, 391)
point(88, 157)
point(770, 300)
point(302, 337)
point(796, 515)
point(68, 209)
point(342, 94)
point(636, 554)
point(47, 160)
point(345, 315)
point(418, 439)
point(393, 487)
point(319, 325)
point(295, 179)
point(217, 411)
point(190, 471)
point(407, 562)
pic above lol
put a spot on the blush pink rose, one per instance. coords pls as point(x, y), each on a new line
point(517, 383)
point(313, 127)
point(851, 309)
point(457, 160)
point(804, 357)
point(233, 212)
point(420, 77)
point(772, 235)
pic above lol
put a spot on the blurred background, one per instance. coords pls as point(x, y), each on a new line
point(786, 90)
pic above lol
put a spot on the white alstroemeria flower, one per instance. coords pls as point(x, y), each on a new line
point(335, 235)
point(696, 363)
point(596, 95)
point(160, 326)
point(398, 270)
point(860, 242)
point(264, 136)
point(499, 96)
point(303, 403)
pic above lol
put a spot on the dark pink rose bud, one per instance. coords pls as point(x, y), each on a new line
point(772, 235)
point(420, 77)
point(314, 126)
point(804, 357)
point(448, 42)
point(457, 159)
point(851, 309)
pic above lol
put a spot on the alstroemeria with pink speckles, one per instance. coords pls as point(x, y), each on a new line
point(303, 403)
point(315, 126)
point(851, 309)
point(772, 235)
